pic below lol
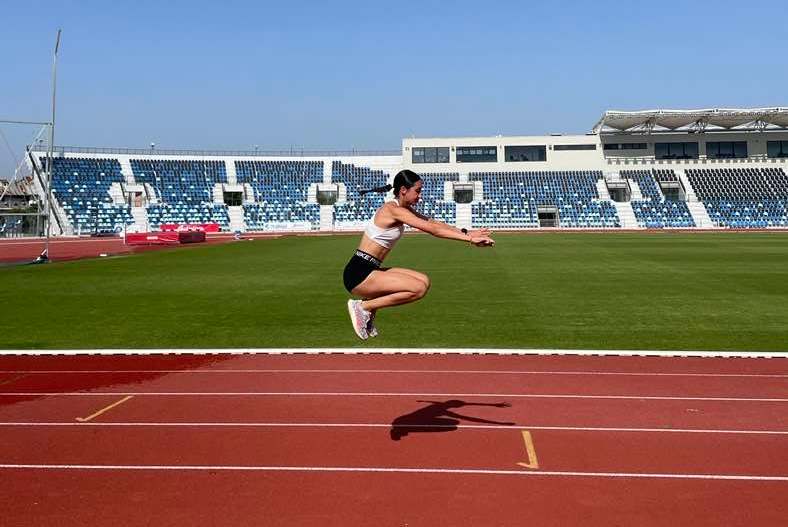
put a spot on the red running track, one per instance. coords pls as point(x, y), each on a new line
point(234, 440)
point(20, 250)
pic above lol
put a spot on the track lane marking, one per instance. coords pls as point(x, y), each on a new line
point(490, 372)
point(401, 394)
point(103, 410)
point(730, 477)
point(21, 424)
point(530, 451)
point(410, 351)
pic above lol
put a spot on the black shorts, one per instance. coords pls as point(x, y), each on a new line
point(359, 268)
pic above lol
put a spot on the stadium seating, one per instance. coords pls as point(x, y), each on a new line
point(358, 209)
point(743, 198)
point(281, 193)
point(511, 199)
point(432, 203)
point(185, 190)
point(81, 186)
point(654, 211)
point(665, 176)
point(160, 213)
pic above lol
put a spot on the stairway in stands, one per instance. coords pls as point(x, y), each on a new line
point(626, 215)
point(696, 208)
point(463, 215)
point(140, 216)
point(236, 215)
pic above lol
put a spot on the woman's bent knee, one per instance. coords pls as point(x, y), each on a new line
point(422, 289)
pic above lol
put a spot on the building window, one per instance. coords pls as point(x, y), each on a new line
point(726, 150)
point(676, 150)
point(777, 148)
point(625, 146)
point(430, 155)
point(477, 154)
point(574, 147)
point(526, 153)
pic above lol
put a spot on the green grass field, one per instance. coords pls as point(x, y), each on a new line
point(585, 291)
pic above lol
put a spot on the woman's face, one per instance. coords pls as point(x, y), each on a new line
point(411, 195)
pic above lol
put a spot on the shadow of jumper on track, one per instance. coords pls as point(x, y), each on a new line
point(436, 417)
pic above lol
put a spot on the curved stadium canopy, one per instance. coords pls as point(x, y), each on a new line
point(647, 121)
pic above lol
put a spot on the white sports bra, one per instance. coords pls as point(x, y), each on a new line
point(384, 237)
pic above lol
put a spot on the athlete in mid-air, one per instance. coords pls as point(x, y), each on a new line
point(382, 287)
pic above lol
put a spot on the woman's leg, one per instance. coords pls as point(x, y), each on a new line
point(390, 288)
point(410, 272)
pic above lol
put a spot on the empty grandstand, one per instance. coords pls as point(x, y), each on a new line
point(743, 197)
point(522, 199)
point(279, 192)
point(654, 210)
point(183, 190)
point(437, 197)
point(636, 170)
point(82, 188)
point(357, 209)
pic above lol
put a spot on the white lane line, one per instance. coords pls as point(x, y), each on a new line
point(31, 424)
point(409, 351)
point(474, 372)
point(398, 394)
point(733, 477)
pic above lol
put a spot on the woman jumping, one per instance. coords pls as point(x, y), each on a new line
point(386, 287)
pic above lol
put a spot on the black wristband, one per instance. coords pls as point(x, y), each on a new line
point(464, 230)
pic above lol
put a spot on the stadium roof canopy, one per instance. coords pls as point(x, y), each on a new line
point(716, 119)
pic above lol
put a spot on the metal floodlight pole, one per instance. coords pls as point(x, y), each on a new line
point(51, 143)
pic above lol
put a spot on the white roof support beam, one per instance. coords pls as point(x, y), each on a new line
point(648, 121)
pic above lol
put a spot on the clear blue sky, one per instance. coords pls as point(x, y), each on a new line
point(364, 74)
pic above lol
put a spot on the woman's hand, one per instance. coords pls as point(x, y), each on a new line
point(482, 241)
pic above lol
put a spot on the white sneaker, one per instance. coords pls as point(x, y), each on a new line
point(359, 317)
point(372, 331)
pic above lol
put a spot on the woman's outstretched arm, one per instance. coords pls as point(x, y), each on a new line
point(438, 229)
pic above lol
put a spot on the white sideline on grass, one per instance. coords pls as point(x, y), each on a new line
point(414, 351)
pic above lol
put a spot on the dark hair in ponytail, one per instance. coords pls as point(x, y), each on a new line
point(382, 190)
point(404, 178)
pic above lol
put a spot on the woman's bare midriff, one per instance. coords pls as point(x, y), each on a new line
point(372, 248)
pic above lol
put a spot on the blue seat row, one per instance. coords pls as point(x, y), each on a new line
point(203, 212)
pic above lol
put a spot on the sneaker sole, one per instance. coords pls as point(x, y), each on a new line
point(352, 314)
